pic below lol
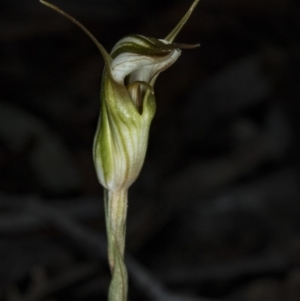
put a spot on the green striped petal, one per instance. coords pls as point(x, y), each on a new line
point(141, 58)
point(122, 135)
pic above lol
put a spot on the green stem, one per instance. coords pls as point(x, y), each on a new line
point(115, 214)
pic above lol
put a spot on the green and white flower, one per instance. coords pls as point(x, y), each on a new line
point(127, 109)
point(128, 106)
point(128, 101)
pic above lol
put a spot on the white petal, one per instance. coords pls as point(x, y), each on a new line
point(142, 67)
point(146, 73)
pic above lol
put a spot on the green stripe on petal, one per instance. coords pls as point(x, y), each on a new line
point(121, 139)
point(142, 67)
point(141, 45)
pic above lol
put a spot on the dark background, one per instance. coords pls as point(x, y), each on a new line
point(215, 212)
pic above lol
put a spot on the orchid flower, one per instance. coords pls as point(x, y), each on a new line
point(127, 109)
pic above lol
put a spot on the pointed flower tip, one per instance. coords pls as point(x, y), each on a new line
point(172, 35)
point(105, 54)
point(186, 46)
point(52, 6)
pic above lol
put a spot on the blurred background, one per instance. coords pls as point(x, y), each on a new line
point(215, 212)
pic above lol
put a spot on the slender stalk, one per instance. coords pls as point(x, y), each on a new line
point(115, 215)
